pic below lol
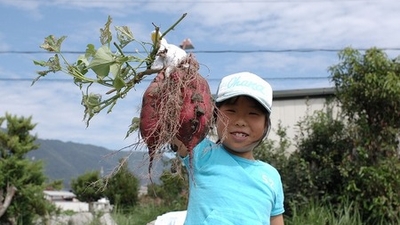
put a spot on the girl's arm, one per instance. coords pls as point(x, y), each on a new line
point(277, 220)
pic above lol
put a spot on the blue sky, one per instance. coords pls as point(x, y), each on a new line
point(291, 43)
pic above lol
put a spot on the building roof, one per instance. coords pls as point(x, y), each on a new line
point(63, 194)
point(304, 93)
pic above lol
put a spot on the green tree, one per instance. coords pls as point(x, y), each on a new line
point(368, 90)
point(174, 186)
point(55, 185)
point(274, 152)
point(88, 187)
point(21, 181)
point(313, 170)
point(122, 187)
point(351, 154)
point(354, 154)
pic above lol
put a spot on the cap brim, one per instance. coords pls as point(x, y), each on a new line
point(243, 93)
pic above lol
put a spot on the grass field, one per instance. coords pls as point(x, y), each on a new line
point(312, 214)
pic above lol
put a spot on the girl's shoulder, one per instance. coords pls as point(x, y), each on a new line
point(269, 168)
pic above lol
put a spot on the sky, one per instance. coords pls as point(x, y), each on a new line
point(290, 43)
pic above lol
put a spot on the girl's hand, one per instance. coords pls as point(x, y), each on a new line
point(179, 147)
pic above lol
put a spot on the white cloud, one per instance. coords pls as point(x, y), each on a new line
point(297, 25)
point(246, 25)
point(31, 5)
point(55, 107)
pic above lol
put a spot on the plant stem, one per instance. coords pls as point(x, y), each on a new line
point(173, 25)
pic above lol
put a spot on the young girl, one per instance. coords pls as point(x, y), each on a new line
point(227, 185)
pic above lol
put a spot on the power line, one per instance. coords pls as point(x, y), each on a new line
point(202, 2)
point(300, 50)
point(209, 79)
point(305, 50)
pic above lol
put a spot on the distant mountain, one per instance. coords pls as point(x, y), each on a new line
point(68, 160)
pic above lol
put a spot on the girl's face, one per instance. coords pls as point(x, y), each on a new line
point(241, 125)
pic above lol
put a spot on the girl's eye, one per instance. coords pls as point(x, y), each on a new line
point(255, 113)
point(228, 110)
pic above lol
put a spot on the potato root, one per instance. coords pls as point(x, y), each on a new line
point(179, 105)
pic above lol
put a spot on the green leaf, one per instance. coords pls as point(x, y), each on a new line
point(40, 63)
point(134, 126)
point(90, 50)
point(93, 99)
point(82, 64)
point(82, 60)
point(115, 69)
point(124, 35)
point(101, 62)
point(52, 44)
point(101, 70)
point(102, 56)
point(91, 102)
point(119, 83)
point(53, 64)
point(105, 33)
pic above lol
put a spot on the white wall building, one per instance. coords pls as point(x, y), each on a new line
point(291, 106)
point(66, 200)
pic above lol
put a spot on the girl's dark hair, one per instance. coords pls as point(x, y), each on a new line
point(235, 99)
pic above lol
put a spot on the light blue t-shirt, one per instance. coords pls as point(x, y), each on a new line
point(229, 190)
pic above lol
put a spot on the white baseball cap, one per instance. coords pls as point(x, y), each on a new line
point(245, 83)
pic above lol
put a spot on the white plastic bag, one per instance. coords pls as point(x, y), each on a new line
point(171, 218)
